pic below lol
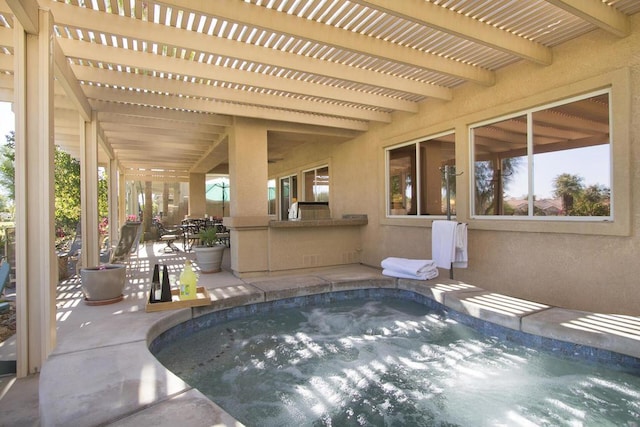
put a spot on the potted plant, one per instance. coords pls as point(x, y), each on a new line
point(103, 284)
point(209, 251)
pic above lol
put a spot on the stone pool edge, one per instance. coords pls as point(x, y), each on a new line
point(122, 383)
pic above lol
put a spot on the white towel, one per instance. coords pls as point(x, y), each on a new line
point(410, 266)
point(293, 211)
point(461, 258)
point(429, 274)
point(443, 242)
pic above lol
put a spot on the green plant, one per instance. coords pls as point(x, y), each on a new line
point(208, 236)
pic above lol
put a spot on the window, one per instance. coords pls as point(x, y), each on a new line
point(416, 177)
point(288, 194)
point(271, 196)
point(553, 162)
point(316, 185)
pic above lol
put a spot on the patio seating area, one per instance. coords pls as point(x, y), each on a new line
point(186, 234)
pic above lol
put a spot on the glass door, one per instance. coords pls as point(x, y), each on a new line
point(288, 194)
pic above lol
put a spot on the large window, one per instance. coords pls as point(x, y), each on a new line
point(554, 161)
point(316, 185)
point(416, 171)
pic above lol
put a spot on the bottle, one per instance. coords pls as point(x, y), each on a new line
point(156, 290)
point(188, 282)
point(165, 295)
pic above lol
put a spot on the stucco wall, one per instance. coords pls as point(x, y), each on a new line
point(592, 272)
point(593, 266)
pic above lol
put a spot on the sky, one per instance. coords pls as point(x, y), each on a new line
point(7, 124)
point(7, 120)
point(590, 163)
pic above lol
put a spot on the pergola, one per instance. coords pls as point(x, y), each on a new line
point(156, 89)
point(163, 76)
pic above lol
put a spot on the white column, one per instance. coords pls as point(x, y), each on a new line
point(89, 191)
point(122, 204)
point(36, 261)
point(114, 192)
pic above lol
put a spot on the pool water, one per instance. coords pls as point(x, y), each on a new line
point(391, 363)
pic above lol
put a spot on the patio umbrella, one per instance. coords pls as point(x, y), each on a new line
point(218, 190)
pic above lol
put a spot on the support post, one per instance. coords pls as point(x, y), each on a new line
point(248, 220)
point(36, 263)
point(89, 191)
point(197, 195)
point(447, 175)
point(114, 211)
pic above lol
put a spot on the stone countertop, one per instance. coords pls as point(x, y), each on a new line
point(347, 220)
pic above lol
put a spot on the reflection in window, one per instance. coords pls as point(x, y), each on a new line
point(553, 161)
point(402, 166)
point(271, 196)
point(408, 195)
point(316, 185)
point(288, 194)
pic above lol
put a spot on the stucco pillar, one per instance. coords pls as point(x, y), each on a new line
point(197, 195)
point(36, 261)
point(248, 206)
point(89, 191)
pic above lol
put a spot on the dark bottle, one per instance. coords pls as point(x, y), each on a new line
point(156, 289)
point(166, 286)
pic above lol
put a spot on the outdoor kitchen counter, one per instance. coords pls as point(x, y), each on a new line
point(331, 222)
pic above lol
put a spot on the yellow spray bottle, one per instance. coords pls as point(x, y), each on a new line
point(188, 282)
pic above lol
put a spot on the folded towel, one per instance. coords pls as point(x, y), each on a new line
point(443, 242)
point(461, 258)
point(430, 274)
point(407, 265)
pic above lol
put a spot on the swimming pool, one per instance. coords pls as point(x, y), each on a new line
point(346, 359)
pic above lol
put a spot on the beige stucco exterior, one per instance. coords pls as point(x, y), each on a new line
point(581, 265)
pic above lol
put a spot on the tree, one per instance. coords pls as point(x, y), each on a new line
point(67, 190)
point(578, 200)
point(66, 185)
point(4, 204)
point(593, 201)
point(567, 187)
point(491, 182)
point(7, 165)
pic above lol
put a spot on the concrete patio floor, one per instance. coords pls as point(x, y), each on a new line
point(101, 372)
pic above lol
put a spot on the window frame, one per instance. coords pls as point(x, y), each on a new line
point(528, 113)
point(315, 172)
point(519, 99)
point(293, 194)
point(272, 208)
point(418, 173)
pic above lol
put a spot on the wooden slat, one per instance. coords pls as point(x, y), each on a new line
point(127, 8)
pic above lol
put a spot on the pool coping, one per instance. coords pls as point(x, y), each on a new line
point(103, 373)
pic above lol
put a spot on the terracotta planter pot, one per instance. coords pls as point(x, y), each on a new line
point(104, 284)
point(209, 258)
